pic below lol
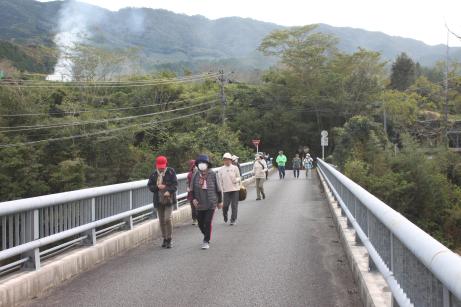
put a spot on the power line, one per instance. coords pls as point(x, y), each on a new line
point(102, 132)
point(65, 84)
point(39, 127)
point(108, 82)
point(103, 110)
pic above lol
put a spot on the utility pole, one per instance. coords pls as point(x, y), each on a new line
point(222, 80)
point(445, 136)
point(384, 119)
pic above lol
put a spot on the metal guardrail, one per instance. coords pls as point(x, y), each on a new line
point(38, 227)
point(419, 270)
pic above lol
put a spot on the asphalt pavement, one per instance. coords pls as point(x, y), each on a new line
point(284, 251)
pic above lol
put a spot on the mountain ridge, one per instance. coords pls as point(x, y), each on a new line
point(165, 37)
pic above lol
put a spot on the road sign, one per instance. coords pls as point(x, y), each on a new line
point(324, 133)
point(256, 142)
point(324, 141)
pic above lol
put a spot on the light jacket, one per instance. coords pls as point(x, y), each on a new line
point(281, 160)
point(260, 168)
point(229, 178)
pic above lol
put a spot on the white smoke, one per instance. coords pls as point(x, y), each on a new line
point(75, 22)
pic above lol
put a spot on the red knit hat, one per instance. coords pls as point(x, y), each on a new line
point(161, 162)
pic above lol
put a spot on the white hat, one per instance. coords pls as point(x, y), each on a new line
point(234, 158)
point(227, 156)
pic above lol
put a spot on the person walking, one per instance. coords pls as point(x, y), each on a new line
point(267, 159)
point(164, 184)
point(259, 171)
point(229, 178)
point(281, 161)
point(192, 170)
point(235, 161)
point(308, 163)
point(206, 196)
point(297, 164)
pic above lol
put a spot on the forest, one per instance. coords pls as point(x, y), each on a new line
point(388, 123)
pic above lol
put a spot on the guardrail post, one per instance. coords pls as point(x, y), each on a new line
point(34, 255)
point(393, 301)
point(129, 220)
point(371, 265)
point(446, 297)
point(91, 234)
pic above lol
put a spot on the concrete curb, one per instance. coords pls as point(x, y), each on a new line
point(373, 288)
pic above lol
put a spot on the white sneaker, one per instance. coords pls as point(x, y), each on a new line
point(205, 245)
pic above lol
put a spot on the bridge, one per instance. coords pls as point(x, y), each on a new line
point(320, 240)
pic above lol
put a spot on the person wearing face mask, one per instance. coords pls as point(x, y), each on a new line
point(164, 184)
point(206, 195)
point(229, 178)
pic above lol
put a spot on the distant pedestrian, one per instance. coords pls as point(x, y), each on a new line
point(281, 161)
point(308, 163)
point(229, 177)
point(297, 164)
point(259, 171)
point(267, 158)
point(164, 184)
point(235, 161)
point(190, 198)
point(207, 196)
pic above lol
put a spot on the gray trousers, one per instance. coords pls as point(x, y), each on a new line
point(165, 219)
point(259, 187)
point(231, 199)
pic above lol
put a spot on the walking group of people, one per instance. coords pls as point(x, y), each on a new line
point(297, 164)
point(207, 191)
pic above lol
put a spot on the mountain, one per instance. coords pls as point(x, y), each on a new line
point(166, 38)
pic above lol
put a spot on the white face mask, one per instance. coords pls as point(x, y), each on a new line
point(202, 166)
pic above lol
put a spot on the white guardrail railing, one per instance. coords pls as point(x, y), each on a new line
point(419, 270)
point(35, 228)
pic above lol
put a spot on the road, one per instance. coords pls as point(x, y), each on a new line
point(284, 251)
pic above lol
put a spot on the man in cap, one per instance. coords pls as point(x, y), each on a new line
point(164, 184)
point(259, 171)
point(229, 178)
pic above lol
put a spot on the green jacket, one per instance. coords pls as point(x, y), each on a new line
point(281, 160)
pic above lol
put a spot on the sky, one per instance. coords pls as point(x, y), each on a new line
point(423, 20)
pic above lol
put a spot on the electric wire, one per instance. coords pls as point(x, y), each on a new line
point(107, 120)
point(103, 132)
point(104, 110)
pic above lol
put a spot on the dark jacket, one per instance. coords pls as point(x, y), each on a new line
point(207, 199)
point(169, 180)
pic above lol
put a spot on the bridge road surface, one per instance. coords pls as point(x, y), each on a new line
point(284, 251)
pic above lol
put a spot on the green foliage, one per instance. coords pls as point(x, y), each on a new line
point(69, 175)
point(403, 73)
point(37, 59)
point(401, 108)
point(422, 187)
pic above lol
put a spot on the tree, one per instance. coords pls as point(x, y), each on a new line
point(403, 73)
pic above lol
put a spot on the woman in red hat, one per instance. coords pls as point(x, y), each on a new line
point(164, 184)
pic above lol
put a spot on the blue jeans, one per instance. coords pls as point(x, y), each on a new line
point(296, 172)
point(281, 171)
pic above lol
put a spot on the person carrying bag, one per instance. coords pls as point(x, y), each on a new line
point(164, 184)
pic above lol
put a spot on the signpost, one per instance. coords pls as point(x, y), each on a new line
point(324, 142)
point(256, 143)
